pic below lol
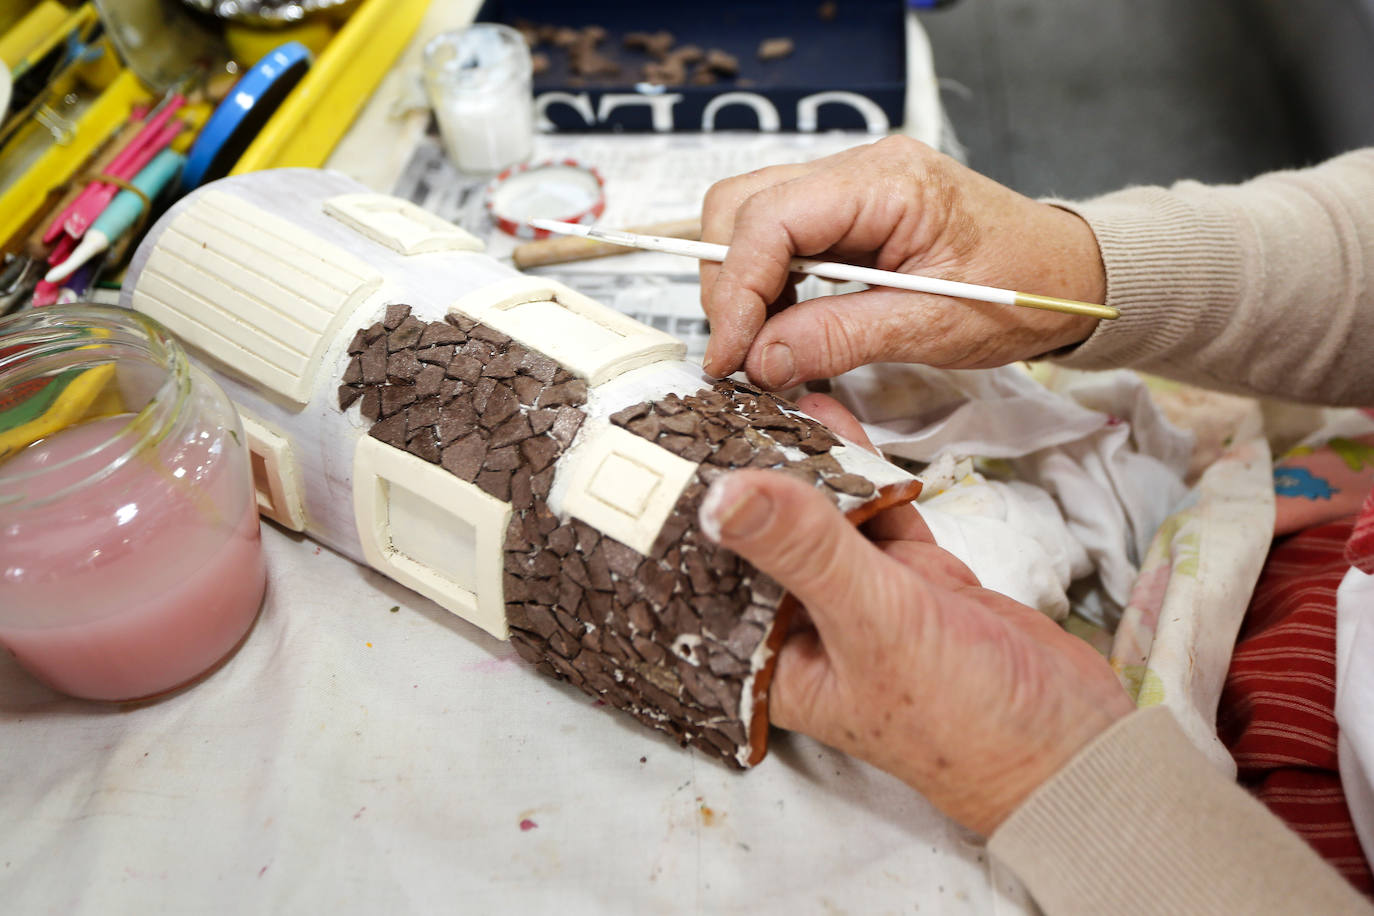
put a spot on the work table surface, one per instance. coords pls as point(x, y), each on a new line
point(355, 758)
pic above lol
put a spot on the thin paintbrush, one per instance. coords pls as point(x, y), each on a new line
point(831, 270)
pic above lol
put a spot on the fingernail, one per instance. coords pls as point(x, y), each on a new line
point(777, 365)
point(734, 510)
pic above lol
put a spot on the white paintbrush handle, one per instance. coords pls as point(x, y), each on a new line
point(832, 270)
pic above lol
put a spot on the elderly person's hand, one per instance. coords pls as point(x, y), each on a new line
point(969, 697)
point(895, 205)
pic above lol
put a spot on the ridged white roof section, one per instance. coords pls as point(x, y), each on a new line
point(252, 290)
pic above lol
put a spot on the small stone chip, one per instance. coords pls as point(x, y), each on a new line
point(633, 412)
point(521, 492)
point(563, 541)
point(402, 366)
point(647, 427)
point(394, 397)
point(465, 368)
point(423, 413)
point(372, 404)
point(571, 392)
point(407, 334)
point(825, 463)
point(733, 454)
point(542, 483)
point(516, 429)
point(500, 406)
point(497, 483)
point(567, 424)
point(441, 332)
point(439, 356)
point(684, 424)
point(428, 381)
point(374, 362)
point(490, 335)
point(622, 559)
point(541, 421)
point(852, 484)
point(480, 392)
point(526, 389)
point(538, 366)
point(502, 459)
point(502, 365)
point(464, 458)
point(425, 447)
point(539, 452)
point(456, 420)
point(392, 431)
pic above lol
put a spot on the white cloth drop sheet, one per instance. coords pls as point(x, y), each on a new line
point(316, 773)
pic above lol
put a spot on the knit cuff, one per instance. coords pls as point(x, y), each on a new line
point(1140, 822)
point(1174, 269)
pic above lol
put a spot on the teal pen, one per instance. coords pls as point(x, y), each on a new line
point(121, 213)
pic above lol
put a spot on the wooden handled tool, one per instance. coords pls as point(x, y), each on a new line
point(571, 248)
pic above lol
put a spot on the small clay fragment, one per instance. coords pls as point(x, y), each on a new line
point(687, 54)
point(402, 366)
point(703, 76)
point(775, 48)
point(440, 332)
point(721, 63)
point(665, 73)
point(374, 362)
point(463, 458)
point(358, 343)
point(406, 334)
point(655, 44)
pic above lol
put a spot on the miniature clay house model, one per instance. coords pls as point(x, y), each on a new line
point(527, 458)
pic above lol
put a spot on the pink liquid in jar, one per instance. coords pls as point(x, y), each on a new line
point(141, 578)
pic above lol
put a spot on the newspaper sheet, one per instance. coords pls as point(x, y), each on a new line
point(649, 178)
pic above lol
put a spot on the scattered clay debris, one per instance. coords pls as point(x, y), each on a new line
point(669, 64)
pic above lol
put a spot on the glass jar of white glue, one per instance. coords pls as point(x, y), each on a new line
point(479, 80)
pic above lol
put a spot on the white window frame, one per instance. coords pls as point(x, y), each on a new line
point(399, 224)
point(497, 306)
point(375, 466)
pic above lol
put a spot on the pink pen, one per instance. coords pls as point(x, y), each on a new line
point(45, 293)
point(89, 203)
point(79, 221)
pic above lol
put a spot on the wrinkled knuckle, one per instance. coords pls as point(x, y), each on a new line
point(902, 147)
point(839, 346)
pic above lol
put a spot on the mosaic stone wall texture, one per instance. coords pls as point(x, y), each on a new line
point(683, 638)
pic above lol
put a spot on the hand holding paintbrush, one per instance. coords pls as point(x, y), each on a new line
point(894, 205)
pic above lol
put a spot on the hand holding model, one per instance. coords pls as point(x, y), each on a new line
point(968, 696)
point(894, 205)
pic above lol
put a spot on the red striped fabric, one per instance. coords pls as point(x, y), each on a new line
point(1277, 710)
point(1359, 550)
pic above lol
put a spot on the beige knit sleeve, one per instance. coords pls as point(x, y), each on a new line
point(1139, 822)
point(1260, 288)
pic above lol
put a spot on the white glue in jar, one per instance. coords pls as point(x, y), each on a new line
point(479, 81)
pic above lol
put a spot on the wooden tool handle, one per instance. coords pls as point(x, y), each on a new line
point(569, 248)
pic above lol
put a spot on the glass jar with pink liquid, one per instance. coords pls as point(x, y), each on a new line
point(130, 555)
